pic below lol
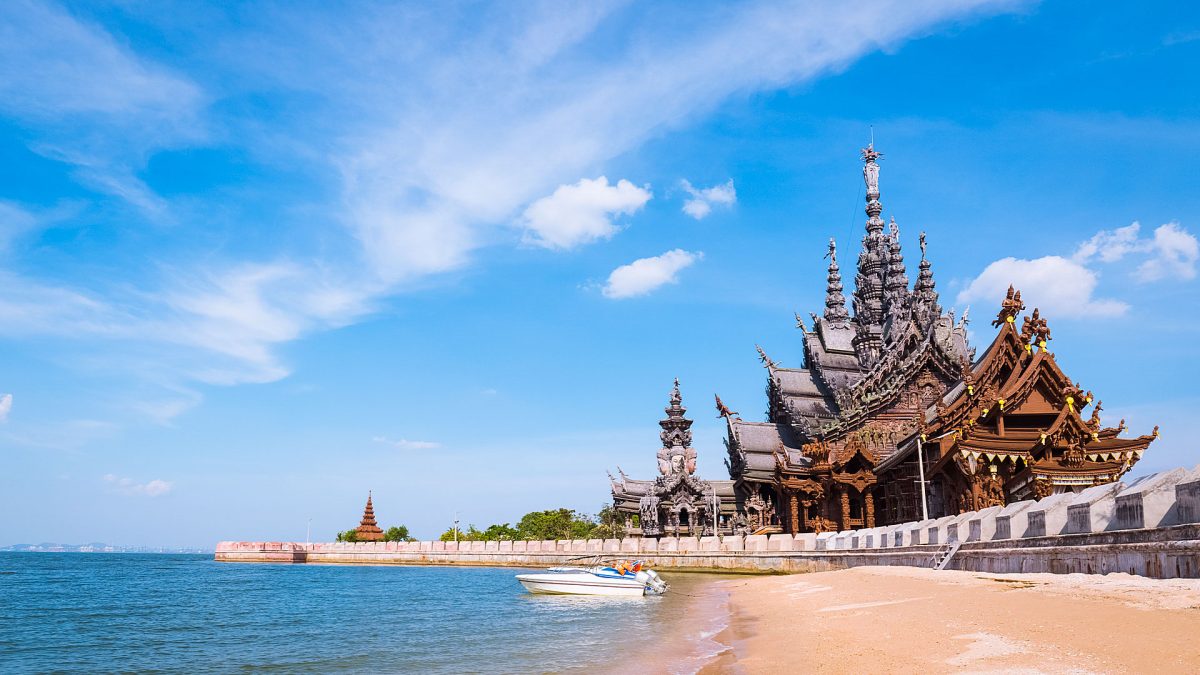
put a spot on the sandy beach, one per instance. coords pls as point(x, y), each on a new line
point(913, 620)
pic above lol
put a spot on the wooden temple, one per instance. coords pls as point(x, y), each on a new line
point(893, 391)
point(677, 501)
point(368, 529)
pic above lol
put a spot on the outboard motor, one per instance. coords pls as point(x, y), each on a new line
point(653, 581)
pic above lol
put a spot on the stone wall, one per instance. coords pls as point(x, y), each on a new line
point(1150, 527)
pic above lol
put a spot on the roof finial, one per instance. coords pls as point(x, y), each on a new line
point(835, 302)
point(924, 288)
point(722, 409)
point(895, 289)
point(762, 356)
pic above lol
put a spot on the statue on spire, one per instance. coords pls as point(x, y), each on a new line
point(871, 168)
point(835, 302)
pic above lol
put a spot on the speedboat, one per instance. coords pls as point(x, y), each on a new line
point(621, 579)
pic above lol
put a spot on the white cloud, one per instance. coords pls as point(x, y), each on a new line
point(702, 201)
point(128, 486)
point(646, 274)
point(1171, 253)
point(5, 407)
point(1175, 252)
point(1057, 286)
point(1066, 287)
point(581, 213)
point(406, 444)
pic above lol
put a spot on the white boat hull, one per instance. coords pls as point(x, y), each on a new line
point(580, 584)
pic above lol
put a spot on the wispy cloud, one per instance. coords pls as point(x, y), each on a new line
point(5, 407)
point(130, 487)
point(702, 200)
point(428, 134)
point(1171, 253)
point(647, 274)
point(100, 106)
point(406, 444)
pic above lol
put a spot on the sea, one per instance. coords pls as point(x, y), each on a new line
point(95, 612)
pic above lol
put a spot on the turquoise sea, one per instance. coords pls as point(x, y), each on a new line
point(81, 612)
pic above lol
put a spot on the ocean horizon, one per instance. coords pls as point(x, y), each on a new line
point(175, 613)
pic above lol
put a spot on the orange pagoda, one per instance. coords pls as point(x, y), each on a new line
point(368, 530)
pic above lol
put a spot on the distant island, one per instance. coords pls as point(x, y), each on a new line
point(98, 547)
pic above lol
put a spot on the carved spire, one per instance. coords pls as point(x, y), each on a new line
point(368, 529)
point(835, 302)
point(895, 290)
point(924, 292)
point(872, 260)
point(676, 437)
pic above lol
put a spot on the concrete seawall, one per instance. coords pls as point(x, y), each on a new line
point(1161, 553)
point(1150, 527)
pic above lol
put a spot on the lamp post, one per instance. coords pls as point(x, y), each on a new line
point(921, 471)
point(308, 534)
point(456, 527)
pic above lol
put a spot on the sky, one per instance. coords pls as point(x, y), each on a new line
point(258, 259)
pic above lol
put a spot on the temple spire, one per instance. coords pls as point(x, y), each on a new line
point(869, 288)
point(368, 529)
point(835, 302)
point(676, 437)
point(896, 285)
point(924, 292)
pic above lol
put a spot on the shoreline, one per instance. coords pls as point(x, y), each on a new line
point(899, 619)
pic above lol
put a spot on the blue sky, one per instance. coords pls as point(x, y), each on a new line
point(255, 261)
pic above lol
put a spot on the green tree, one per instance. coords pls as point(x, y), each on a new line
point(500, 533)
point(348, 535)
point(472, 533)
point(555, 524)
point(610, 524)
point(398, 533)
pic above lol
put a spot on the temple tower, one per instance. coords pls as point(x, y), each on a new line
point(368, 530)
point(872, 268)
point(677, 454)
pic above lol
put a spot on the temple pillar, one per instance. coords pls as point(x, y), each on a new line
point(845, 490)
point(793, 505)
point(869, 500)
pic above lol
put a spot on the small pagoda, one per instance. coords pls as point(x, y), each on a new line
point(368, 530)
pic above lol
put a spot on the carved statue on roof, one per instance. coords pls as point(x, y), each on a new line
point(1034, 329)
point(722, 409)
point(1094, 421)
point(1009, 307)
point(762, 356)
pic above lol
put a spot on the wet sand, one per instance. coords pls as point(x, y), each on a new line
point(914, 620)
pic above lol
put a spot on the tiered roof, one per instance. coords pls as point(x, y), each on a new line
point(368, 530)
point(1016, 404)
